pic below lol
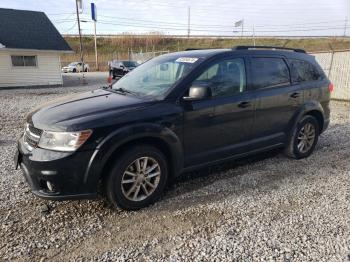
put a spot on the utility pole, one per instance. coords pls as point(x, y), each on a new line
point(96, 57)
point(81, 44)
point(189, 22)
point(345, 26)
point(94, 18)
point(253, 35)
point(242, 28)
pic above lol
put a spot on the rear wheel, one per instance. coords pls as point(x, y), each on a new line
point(304, 138)
point(138, 178)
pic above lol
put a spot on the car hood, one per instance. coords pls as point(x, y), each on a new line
point(84, 110)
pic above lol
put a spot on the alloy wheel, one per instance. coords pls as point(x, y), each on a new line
point(306, 137)
point(140, 179)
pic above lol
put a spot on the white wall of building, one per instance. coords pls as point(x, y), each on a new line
point(47, 71)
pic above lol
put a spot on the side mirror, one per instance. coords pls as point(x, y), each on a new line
point(198, 93)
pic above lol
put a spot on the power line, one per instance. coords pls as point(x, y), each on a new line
point(235, 7)
point(71, 28)
point(60, 14)
point(221, 31)
point(177, 25)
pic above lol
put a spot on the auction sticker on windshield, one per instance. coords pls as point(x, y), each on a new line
point(186, 59)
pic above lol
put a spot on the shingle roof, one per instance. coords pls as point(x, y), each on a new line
point(29, 30)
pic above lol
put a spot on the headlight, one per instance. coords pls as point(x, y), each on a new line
point(63, 141)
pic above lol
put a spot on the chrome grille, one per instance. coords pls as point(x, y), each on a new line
point(31, 136)
point(35, 130)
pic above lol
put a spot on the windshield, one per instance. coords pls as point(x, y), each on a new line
point(155, 77)
point(130, 64)
point(73, 64)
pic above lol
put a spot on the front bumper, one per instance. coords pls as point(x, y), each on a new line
point(66, 70)
point(65, 171)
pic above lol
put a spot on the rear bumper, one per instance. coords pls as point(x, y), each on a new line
point(63, 171)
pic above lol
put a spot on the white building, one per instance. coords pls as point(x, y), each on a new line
point(30, 49)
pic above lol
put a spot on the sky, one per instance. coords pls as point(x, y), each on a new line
point(207, 17)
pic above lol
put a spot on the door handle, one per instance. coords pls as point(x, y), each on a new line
point(295, 95)
point(244, 104)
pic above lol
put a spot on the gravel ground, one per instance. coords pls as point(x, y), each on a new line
point(265, 208)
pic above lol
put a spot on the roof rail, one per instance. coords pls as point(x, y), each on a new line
point(246, 47)
point(205, 48)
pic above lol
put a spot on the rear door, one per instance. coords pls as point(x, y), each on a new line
point(79, 67)
point(119, 69)
point(277, 99)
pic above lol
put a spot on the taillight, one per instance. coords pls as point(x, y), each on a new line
point(330, 87)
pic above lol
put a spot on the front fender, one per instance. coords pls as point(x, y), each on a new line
point(127, 134)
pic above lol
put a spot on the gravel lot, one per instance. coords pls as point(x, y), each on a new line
point(265, 208)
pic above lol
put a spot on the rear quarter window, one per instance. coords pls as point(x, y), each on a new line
point(303, 71)
point(269, 72)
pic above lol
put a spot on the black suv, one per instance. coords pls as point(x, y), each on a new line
point(121, 68)
point(174, 113)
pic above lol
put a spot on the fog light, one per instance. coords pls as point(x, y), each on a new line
point(50, 186)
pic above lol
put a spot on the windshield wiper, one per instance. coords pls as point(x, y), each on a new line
point(122, 90)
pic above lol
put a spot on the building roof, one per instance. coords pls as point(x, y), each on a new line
point(22, 29)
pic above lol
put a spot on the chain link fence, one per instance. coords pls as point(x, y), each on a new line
point(336, 65)
point(143, 57)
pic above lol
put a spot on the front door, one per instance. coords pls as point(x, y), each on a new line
point(220, 126)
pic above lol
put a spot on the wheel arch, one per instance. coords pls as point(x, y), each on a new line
point(313, 108)
point(319, 117)
point(146, 140)
point(160, 137)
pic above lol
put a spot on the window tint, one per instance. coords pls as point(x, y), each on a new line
point(224, 78)
point(269, 72)
point(23, 60)
point(17, 60)
point(304, 71)
point(29, 60)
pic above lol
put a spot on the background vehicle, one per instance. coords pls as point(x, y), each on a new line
point(120, 68)
point(75, 67)
point(175, 113)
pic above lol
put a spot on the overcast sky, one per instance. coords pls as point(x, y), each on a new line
point(208, 17)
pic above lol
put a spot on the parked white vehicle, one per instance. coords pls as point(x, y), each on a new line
point(75, 67)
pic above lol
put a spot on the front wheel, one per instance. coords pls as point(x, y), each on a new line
point(138, 178)
point(304, 138)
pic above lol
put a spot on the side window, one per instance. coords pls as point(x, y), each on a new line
point(269, 72)
point(303, 71)
point(23, 60)
point(225, 78)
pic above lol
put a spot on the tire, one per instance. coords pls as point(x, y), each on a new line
point(86, 70)
point(74, 70)
point(295, 148)
point(122, 195)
